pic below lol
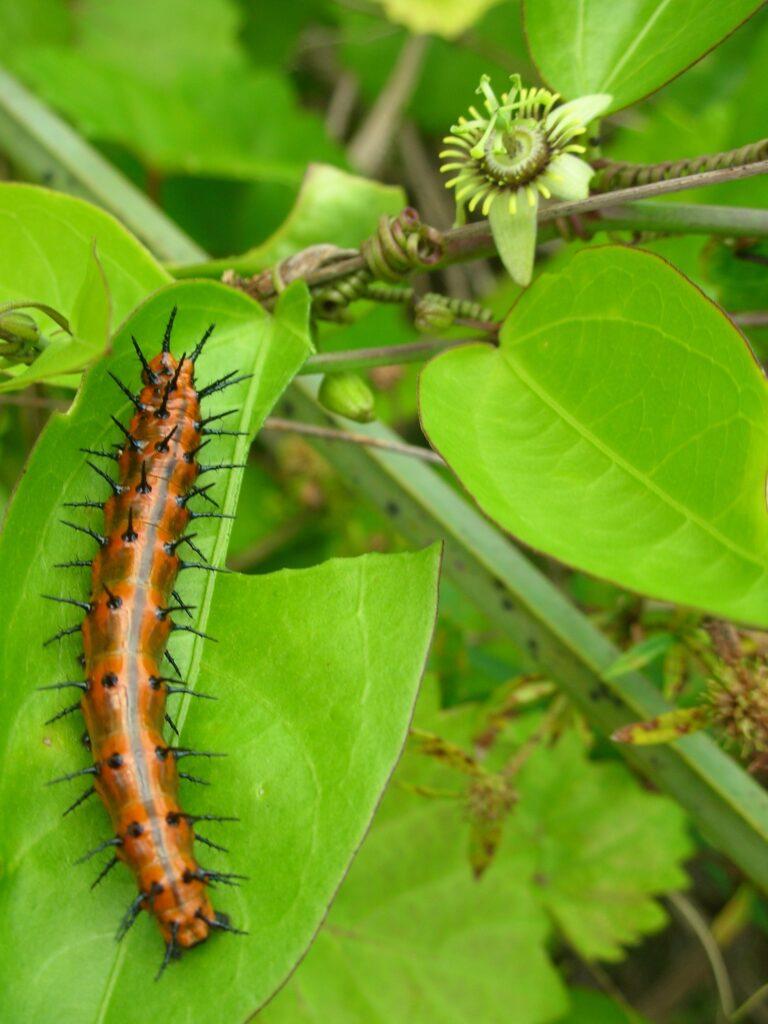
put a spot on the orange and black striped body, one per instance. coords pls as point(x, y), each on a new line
point(124, 638)
point(128, 621)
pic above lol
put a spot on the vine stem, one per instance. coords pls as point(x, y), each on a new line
point(699, 926)
point(472, 240)
point(753, 318)
point(382, 355)
point(329, 434)
point(35, 402)
point(368, 149)
point(479, 233)
point(742, 1013)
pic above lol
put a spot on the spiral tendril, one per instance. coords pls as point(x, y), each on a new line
point(615, 175)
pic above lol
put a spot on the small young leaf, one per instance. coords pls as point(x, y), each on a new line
point(90, 322)
point(640, 655)
point(664, 728)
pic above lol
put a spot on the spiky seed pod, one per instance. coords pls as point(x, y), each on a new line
point(739, 702)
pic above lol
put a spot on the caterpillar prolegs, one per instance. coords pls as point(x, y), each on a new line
point(132, 611)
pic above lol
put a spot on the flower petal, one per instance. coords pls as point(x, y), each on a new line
point(581, 111)
point(568, 177)
point(515, 237)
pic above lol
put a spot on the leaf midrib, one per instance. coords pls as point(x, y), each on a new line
point(605, 449)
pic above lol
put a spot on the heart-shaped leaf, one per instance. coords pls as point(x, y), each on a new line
point(621, 426)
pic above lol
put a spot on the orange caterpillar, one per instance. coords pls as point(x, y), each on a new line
point(125, 632)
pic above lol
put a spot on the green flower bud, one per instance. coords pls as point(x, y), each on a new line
point(432, 314)
point(347, 394)
point(19, 337)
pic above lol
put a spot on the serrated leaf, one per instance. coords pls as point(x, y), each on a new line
point(639, 655)
point(621, 426)
point(412, 938)
point(628, 50)
point(595, 846)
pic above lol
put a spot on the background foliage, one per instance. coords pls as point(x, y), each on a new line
point(553, 906)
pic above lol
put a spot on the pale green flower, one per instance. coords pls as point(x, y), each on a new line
point(522, 149)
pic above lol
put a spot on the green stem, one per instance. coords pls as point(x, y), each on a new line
point(743, 1012)
point(699, 926)
point(334, 434)
point(475, 240)
point(385, 355)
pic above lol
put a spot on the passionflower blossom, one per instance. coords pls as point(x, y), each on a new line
point(522, 149)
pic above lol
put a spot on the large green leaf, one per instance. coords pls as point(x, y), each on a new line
point(67, 253)
point(627, 49)
point(621, 426)
point(413, 938)
point(316, 673)
point(332, 207)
